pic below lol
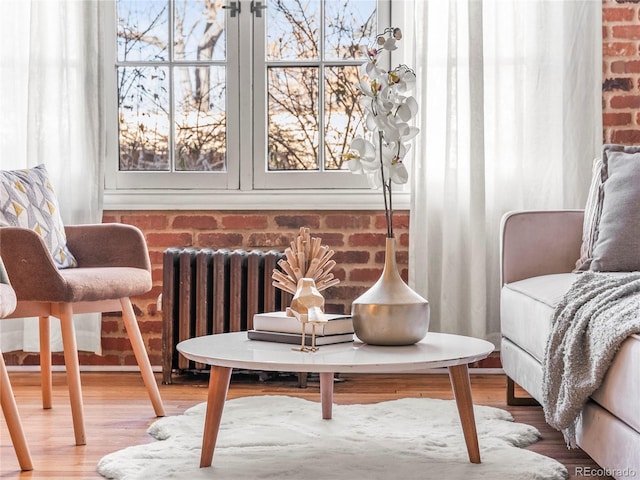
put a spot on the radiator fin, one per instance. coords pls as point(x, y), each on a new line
point(207, 291)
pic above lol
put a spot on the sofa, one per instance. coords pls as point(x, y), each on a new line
point(539, 250)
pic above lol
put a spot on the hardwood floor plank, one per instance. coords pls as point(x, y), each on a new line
point(118, 412)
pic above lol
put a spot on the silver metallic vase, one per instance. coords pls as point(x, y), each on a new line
point(390, 312)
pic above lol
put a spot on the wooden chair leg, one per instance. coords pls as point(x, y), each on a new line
point(73, 371)
point(10, 410)
point(518, 401)
point(133, 330)
point(45, 361)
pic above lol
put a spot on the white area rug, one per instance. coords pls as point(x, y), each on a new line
point(285, 438)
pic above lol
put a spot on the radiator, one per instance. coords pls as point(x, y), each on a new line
point(208, 291)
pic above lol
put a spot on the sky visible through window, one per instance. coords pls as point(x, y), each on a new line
point(186, 82)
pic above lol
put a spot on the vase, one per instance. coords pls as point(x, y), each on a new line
point(390, 312)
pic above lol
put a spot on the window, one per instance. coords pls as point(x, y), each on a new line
point(236, 95)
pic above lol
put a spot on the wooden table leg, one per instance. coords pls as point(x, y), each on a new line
point(218, 388)
point(326, 394)
point(459, 376)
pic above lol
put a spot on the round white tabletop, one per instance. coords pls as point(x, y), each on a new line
point(237, 351)
point(226, 351)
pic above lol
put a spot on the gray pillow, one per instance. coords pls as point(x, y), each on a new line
point(617, 246)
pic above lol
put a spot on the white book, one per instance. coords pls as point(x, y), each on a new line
point(280, 322)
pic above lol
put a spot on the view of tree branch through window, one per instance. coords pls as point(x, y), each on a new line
point(177, 66)
point(313, 53)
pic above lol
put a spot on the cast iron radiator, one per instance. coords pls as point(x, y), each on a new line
point(208, 291)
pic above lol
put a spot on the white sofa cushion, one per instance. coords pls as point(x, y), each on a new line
point(527, 308)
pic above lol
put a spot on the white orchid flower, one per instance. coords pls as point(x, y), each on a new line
point(361, 156)
point(387, 112)
point(394, 168)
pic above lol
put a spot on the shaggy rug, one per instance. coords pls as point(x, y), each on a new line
point(285, 438)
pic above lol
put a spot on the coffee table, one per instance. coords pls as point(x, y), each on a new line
point(226, 351)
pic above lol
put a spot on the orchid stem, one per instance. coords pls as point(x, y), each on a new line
point(385, 189)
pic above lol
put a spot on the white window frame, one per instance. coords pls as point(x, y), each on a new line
point(239, 190)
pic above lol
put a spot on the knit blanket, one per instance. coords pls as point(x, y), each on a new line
point(589, 324)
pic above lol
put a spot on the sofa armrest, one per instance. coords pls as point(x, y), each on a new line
point(108, 245)
point(537, 243)
point(29, 264)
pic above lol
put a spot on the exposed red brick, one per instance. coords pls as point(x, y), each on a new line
point(332, 240)
point(297, 221)
point(278, 241)
point(169, 239)
point(400, 221)
point(152, 309)
point(220, 240)
point(149, 327)
point(344, 221)
point(197, 222)
point(630, 32)
point(366, 239)
point(336, 308)
point(110, 219)
point(112, 343)
point(110, 359)
point(620, 14)
point(403, 240)
point(130, 360)
point(110, 325)
point(156, 256)
point(402, 257)
point(365, 274)
point(339, 273)
point(345, 257)
point(626, 137)
point(155, 345)
point(619, 49)
point(614, 119)
point(156, 274)
point(625, 66)
point(625, 101)
point(344, 292)
point(244, 222)
point(146, 222)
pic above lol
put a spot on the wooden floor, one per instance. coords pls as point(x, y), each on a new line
point(118, 413)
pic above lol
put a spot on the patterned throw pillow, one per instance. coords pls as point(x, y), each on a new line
point(592, 234)
point(28, 200)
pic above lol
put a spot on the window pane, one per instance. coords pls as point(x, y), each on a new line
point(293, 27)
point(199, 27)
point(293, 118)
point(200, 118)
point(343, 113)
point(349, 24)
point(143, 30)
point(143, 110)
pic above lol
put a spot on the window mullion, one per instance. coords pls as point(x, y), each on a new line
point(246, 98)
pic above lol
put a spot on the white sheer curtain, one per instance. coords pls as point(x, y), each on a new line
point(52, 113)
point(510, 117)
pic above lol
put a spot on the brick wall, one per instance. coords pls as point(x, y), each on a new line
point(621, 71)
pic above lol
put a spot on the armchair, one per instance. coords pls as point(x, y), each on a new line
point(7, 400)
point(113, 265)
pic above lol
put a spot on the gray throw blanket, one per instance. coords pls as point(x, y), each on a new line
point(590, 323)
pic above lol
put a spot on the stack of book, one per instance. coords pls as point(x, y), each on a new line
point(278, 327)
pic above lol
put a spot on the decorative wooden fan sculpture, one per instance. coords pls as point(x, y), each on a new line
point(306, 258)
point(307, 271)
